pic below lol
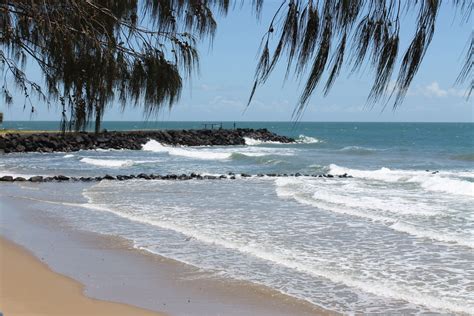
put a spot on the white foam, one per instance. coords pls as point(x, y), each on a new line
point(303, 139)
point(382, 288)
point(439, 182)
point(211, 153)
point(14, 174)
point(443, 184)
point(250, 154)
point(68, 156)
point(200, 153)
point(108, 163)
point(391, 211)
point(467, 241)
point(255, 142)
point(284, 191)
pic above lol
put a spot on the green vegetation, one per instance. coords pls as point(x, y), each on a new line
point(93, 53)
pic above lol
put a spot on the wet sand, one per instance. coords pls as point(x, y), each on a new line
point(29, 287)
point(111, 269)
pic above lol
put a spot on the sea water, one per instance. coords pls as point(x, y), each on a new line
point(397, 237)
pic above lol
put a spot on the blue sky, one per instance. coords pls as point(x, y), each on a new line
point(220, 91)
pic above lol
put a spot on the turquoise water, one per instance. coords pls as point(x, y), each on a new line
point(397, 238)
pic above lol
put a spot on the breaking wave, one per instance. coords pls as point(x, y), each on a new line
point(212, 153)
point(303, 139)
point(398, 209)
point(439, 182)
point(108, 163)
point(255, 142)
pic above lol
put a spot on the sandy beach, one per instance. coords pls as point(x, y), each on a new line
point(29, 287)
point(64, 264)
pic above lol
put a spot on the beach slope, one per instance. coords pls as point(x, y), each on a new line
point(29, 287)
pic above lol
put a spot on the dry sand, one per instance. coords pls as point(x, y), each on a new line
point(29, 287)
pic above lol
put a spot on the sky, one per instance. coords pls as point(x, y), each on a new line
point(219, 92)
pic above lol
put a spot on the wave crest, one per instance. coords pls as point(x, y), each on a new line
point(303, 139)
point(212, 153)
point(109, 163)
point(439, 182)
point(358, 150)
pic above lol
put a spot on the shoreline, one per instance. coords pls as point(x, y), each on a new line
point(24, 279)
point(138, 277)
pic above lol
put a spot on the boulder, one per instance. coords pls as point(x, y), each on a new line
point(20, 148)
point(61, 178)
point(36, 179)
point(6, 179)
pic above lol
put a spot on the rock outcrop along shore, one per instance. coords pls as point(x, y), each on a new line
point(133, 140)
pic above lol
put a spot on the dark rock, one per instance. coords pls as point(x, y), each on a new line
point(36, 179)
point(109, 177)
point(61, 178)
point(49, 142)
point(20, 179)
point(245, 175)
point(6, 179)
point(20, 148)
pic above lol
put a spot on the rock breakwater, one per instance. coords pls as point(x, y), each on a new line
point(143, 176)
point(132, 140)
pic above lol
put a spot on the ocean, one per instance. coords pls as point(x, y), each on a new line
point(398, 237)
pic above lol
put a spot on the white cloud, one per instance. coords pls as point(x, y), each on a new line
point(434, 90)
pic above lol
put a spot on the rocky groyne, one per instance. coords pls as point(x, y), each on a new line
point(143, 176)
point(133, 140)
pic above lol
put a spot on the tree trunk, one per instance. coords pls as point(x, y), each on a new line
point(98, 118)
